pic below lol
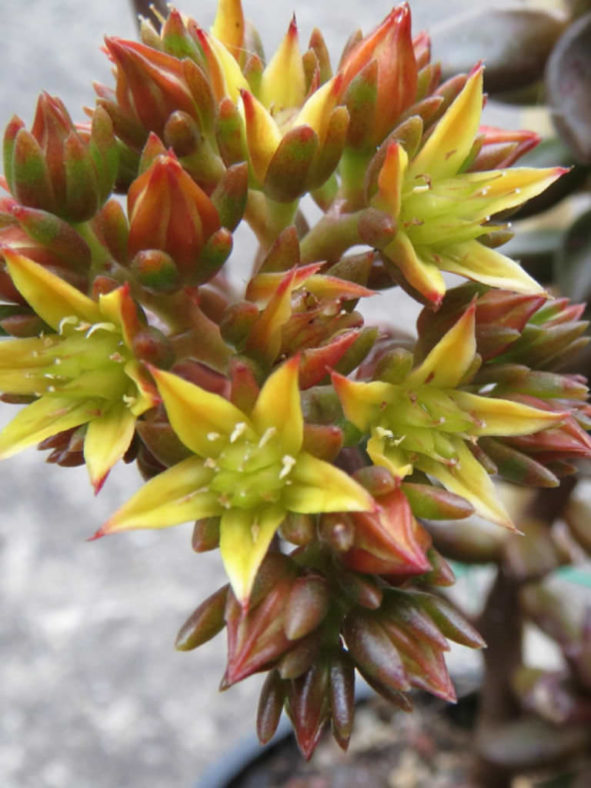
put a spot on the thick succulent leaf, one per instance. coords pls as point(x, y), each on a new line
point(203, 421)
point(278, 407)
point(513, 42)
point(245, 536)
point(176, 496)
point(106, 441)
point(51, 297)
point(45, 417)
point(568, 82)
point(451, 358)
point(317, 486)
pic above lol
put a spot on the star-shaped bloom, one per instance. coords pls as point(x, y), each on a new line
point(249, 468)
point(441, 210)
point(427, 422)
point(83, 372)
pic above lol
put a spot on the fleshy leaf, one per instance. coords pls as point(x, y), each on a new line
point(361, 401)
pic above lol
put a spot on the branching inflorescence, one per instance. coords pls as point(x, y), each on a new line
point(304, 443)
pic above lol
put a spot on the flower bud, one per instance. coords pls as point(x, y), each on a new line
point(204, 623)
point(307, 606)
point(58, 168)
point(169, 212)
point(270, 706)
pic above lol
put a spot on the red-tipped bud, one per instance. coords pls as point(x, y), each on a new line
point(373, 651)
point(389, 541)
point(342, 698)
point(309, 706)
point(169, 212)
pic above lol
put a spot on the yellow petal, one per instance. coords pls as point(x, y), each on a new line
point(228, 25)
point(391, 178)
point(265, 336)
point(283, 83)
point(482, 264)
point(317, 110)
point(448, 146)
point(228, 69)
point(278, 407)
point(176, 496)
point(504, 417)
point(262, 134)
point(470, 480)
point(317, 486)
point(420, 274)
point(106, 441)
point(245, 536)
point(51, 297)
point(451, 358)
point(362, 402)
point(45, 417)
point(202, 420)
point(119, 308)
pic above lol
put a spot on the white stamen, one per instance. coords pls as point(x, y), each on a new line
point(211, 463)
point(267, 435)
point(72, 320)
point(287, 463)
point(238, 430)
point(129, 400)
point(213, 436)
point(99, 327)
point(116, 357)
point(382, 432)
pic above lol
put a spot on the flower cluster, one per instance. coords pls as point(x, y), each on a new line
point(305, 444)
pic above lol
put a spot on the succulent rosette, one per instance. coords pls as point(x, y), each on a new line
point(314, 449)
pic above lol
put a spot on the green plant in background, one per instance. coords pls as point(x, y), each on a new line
point(334, 464)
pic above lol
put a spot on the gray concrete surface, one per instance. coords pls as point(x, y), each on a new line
point(92, 693)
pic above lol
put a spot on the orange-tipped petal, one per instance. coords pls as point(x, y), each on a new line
point(199, 418)
point(362, 402)
point(245, 536)
point(447, 148)
point(178, 495)
point(318, 486)
point(451, 358)
point(283, 84)
point(51, 297)
point(262, 134)
point(228, 25)
point(107, 439)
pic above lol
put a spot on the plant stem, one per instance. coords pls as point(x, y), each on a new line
point(330, 237)
point(501, 625)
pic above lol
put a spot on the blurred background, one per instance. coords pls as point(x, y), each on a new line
point(92, 691)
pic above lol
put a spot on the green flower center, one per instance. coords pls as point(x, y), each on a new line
point(88, 361)
point(250, 471)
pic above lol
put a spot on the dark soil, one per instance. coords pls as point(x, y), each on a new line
point(429, 748)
